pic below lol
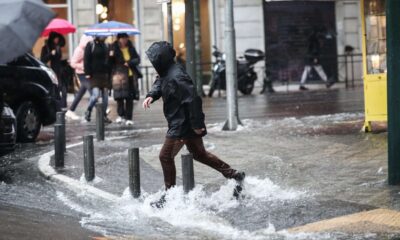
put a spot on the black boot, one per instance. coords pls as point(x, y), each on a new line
point(87, 115)
point(239, 177)
point(159, 203)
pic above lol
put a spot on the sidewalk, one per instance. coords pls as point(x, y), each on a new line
point(300, 170)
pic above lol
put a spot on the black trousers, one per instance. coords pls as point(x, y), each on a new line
point(125, 108)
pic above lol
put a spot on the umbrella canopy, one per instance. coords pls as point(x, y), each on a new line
point(60, 26)
point(21, 22)
point(111, 28)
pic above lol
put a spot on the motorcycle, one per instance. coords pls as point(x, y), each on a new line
point(246, 76)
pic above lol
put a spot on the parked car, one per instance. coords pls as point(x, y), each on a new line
point(8, 134)
point(31, 90)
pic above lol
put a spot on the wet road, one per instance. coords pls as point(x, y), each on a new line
point(25, 190)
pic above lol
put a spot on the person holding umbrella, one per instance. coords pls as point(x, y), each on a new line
point(97, 68)
point(125, 71)
point(52, 53)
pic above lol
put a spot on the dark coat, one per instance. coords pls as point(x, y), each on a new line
point(314, 49)
point(122, 84)
point(49, 46)
point(96, 63)
point(182, 107)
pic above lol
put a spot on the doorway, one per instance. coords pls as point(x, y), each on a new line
point(288, 26)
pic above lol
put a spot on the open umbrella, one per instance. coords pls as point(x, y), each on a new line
point(111, 28)
point(60, 26)
point(21, 22)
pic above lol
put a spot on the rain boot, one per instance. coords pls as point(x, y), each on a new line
point(239, 177)
point(159, 203)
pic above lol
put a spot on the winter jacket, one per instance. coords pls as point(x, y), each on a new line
point(97, 64)
point(182, 107)
point(77, 57)
point(123, 84)
point(46, 56)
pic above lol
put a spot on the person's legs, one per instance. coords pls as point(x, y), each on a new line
point(63, 95)
point(85, 85)
point(321, 73)
point(93, 98)
point(92, 102)
point(168, 152)
point(129, 109)
point(104, 94)
point(120, 107)
point(306, 71)
point(196, 147)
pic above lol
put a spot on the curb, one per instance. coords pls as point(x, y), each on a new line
point(51, 174)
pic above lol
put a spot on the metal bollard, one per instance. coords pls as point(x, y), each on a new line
point(88, 158)
point(134, 172)
point(187, 172)
point(99, 122)
point(60, 119)
point(58, 146)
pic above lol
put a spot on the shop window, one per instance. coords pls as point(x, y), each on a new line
point(375, 26)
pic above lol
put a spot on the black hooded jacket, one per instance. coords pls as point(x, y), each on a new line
point(182, 107)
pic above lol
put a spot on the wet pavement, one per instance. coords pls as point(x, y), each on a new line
point(300, 169)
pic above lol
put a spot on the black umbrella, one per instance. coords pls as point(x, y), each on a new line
point(21, 23)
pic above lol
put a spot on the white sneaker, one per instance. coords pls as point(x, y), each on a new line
point(72, 115)
point(129, 123)
point(119, 120)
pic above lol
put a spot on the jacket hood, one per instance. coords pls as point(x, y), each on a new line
point(54, 35)
point(84, 41)
point(161, 55)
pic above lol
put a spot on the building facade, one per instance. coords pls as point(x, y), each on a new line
point(251, 25)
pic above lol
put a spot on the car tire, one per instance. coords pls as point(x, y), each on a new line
point(28, 122)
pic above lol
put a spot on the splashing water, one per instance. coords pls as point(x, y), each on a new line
point(197, 213)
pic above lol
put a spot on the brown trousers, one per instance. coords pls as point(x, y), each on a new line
point(195, 146)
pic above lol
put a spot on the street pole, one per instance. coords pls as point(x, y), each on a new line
point(393, 86)
point(197, 39)
point(187, 172)
point(138, 23)
point(231, 69)
point(134, 172)
point(170, 23)
point(189, 39)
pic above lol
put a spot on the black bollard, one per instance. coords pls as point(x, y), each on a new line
point(99, 122)
point(88, 158)
point(134, 172)
point(187, 172)
point(58, 146)
point(60, 119)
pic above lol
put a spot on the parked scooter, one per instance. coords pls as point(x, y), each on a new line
point(245, 69)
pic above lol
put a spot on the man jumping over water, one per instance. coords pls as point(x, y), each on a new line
point(184, 114)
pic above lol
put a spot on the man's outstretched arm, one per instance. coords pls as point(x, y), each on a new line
point(154, 94)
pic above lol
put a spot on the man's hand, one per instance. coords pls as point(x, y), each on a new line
point(199, 131)
point(147, 102)
point(126, 64)
point(87, 76)
point(53, 52)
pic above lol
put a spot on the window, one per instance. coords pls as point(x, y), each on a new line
point(375, 28)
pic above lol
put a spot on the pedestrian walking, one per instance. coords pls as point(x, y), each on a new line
point(52, 54)
point(314, 52)
point(184, 114)
point(77, 64)
point(97, 69)
point(125, 71)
